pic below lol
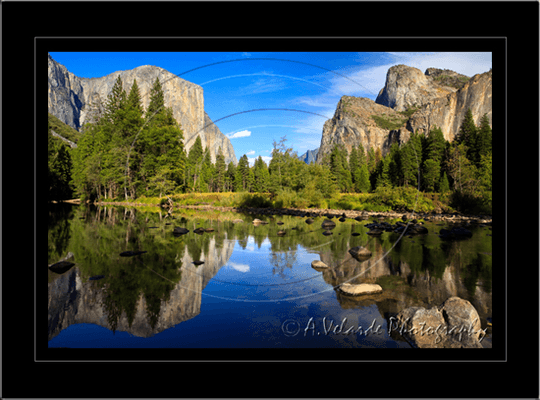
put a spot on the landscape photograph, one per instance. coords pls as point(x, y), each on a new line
point(270, 200)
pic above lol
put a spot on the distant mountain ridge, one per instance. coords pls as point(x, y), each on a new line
point(75, 101)
point(310, 156)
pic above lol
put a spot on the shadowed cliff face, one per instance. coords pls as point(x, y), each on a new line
point(410, 102)
point(75, 100)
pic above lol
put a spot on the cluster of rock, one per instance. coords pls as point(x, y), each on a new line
point(453, 324)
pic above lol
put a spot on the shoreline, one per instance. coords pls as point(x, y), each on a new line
point(432, 216)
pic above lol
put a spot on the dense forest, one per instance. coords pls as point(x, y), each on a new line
point(126, 153)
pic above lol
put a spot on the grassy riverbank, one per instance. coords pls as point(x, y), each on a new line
point(400, 199)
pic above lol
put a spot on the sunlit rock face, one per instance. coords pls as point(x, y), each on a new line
point(76, 101)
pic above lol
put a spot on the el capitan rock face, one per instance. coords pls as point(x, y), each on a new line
point(75, 100)
point(410, 102)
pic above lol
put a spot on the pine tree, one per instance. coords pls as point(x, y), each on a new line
point(194, 164)
point(354, 167)
point(157, 102)
point(371, 160)
point(411, 158)
point(207, 181)
point(241, 181)
point(364, 184)
point(467, 135)
point(483, 145)
point(261, 176)
point(229, 177)
point(431, 175)
point(444, 186)
point(340, 168)
point(220, 171)
point(116, 103)
point(435, 144)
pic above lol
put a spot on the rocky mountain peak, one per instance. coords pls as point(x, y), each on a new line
point(74, 101)
point(411, 101)
point(407, 87)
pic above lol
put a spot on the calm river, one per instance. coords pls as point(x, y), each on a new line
point(254, 289)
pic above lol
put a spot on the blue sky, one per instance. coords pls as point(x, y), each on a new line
point(308, 85)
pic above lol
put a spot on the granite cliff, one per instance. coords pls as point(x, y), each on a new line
point(310, 156)
point(76, 100)
point(411, 101)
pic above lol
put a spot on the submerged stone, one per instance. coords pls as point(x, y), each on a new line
point(328, 224)
point(180, 231)
point(318, 264)
point(61, 267)
point(360, 289)
point(360, 252)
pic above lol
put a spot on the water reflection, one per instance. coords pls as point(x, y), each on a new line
point(151, 292)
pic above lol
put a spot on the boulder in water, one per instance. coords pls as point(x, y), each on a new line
point(318, 264)
point(180, 231)
point(360, 252)
point(360, 289)
point(328, 224)
point(96, 277)
point(61, 267)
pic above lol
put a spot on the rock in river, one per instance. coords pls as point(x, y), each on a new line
point(61, 267)
point(453, 324)
point(327, 233)
point(318, 264)
point(309, 221)
point(375, 232)
point(360, 252)
point(96, 277)
point(360, 289)
point(180, 231)
point(328, 224)
point(281, 233)
point(198, 262)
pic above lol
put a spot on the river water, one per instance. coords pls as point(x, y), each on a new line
point(255, 288)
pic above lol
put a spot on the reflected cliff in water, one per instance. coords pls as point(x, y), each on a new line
point(142, 295)
point(157, 290)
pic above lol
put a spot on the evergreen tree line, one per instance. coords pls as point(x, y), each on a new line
point(127, 153)
point(429, 163)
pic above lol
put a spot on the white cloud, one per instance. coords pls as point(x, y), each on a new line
point(240, 134)
point(250, 153)
point(252, 160)
point(238, 267)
